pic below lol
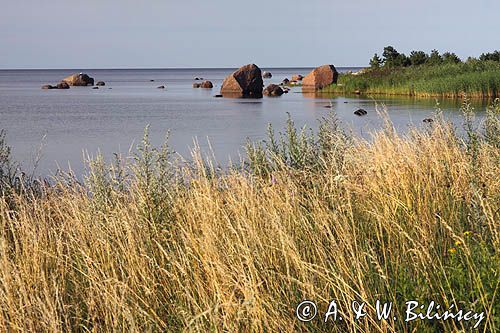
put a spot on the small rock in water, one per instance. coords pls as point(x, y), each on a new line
point(151, 80)
point(218, 96)
point(95, 88)
point(62, 85)
point(273, 90)
point(196, 85)
point(267, 75)
point(360, 112)
point(161, 87)
point(48, 86)
point(206, 85)
point(100, 83)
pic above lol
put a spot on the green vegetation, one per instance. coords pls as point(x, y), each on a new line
point(424, 75)
point(148, 244)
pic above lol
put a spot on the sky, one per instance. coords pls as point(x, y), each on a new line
point(231, 33)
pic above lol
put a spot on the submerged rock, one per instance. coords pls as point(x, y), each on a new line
point(360, 112)
point(319, 78)
point(100, 83)
point(245, 82)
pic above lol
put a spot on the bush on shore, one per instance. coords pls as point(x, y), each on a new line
point(154, 245)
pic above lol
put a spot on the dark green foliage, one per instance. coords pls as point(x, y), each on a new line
point(375, 62)
point(392, 58)
point(452, 58)
point(434, 58)
point(494, 56)
point(418, 58)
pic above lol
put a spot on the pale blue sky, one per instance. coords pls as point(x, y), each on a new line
point(229, 33)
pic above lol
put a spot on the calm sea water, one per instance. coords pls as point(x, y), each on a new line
point(66, 124)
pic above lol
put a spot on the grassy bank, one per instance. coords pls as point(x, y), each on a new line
point(474, 79)
point(148, 244)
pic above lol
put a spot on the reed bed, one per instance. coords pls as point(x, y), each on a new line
point(149, 244)
point(475, 78)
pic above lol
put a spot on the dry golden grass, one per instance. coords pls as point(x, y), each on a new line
point(237, 252)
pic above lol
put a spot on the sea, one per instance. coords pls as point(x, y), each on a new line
point(58, 130)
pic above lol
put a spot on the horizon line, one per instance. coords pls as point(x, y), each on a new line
point(160, 68)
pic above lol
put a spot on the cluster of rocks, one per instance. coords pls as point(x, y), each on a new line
point(205, 85)
point(247, 82)
point(80, 79)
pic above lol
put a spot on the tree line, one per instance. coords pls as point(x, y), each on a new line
point(392, 58)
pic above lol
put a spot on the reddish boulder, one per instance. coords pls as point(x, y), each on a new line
point(245, 82)
point(319, 78)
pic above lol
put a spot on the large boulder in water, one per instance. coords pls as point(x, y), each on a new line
point(79, 80)
point(245, 82)
point(319, 78)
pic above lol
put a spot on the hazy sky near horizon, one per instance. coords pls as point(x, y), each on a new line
point(230, 33)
